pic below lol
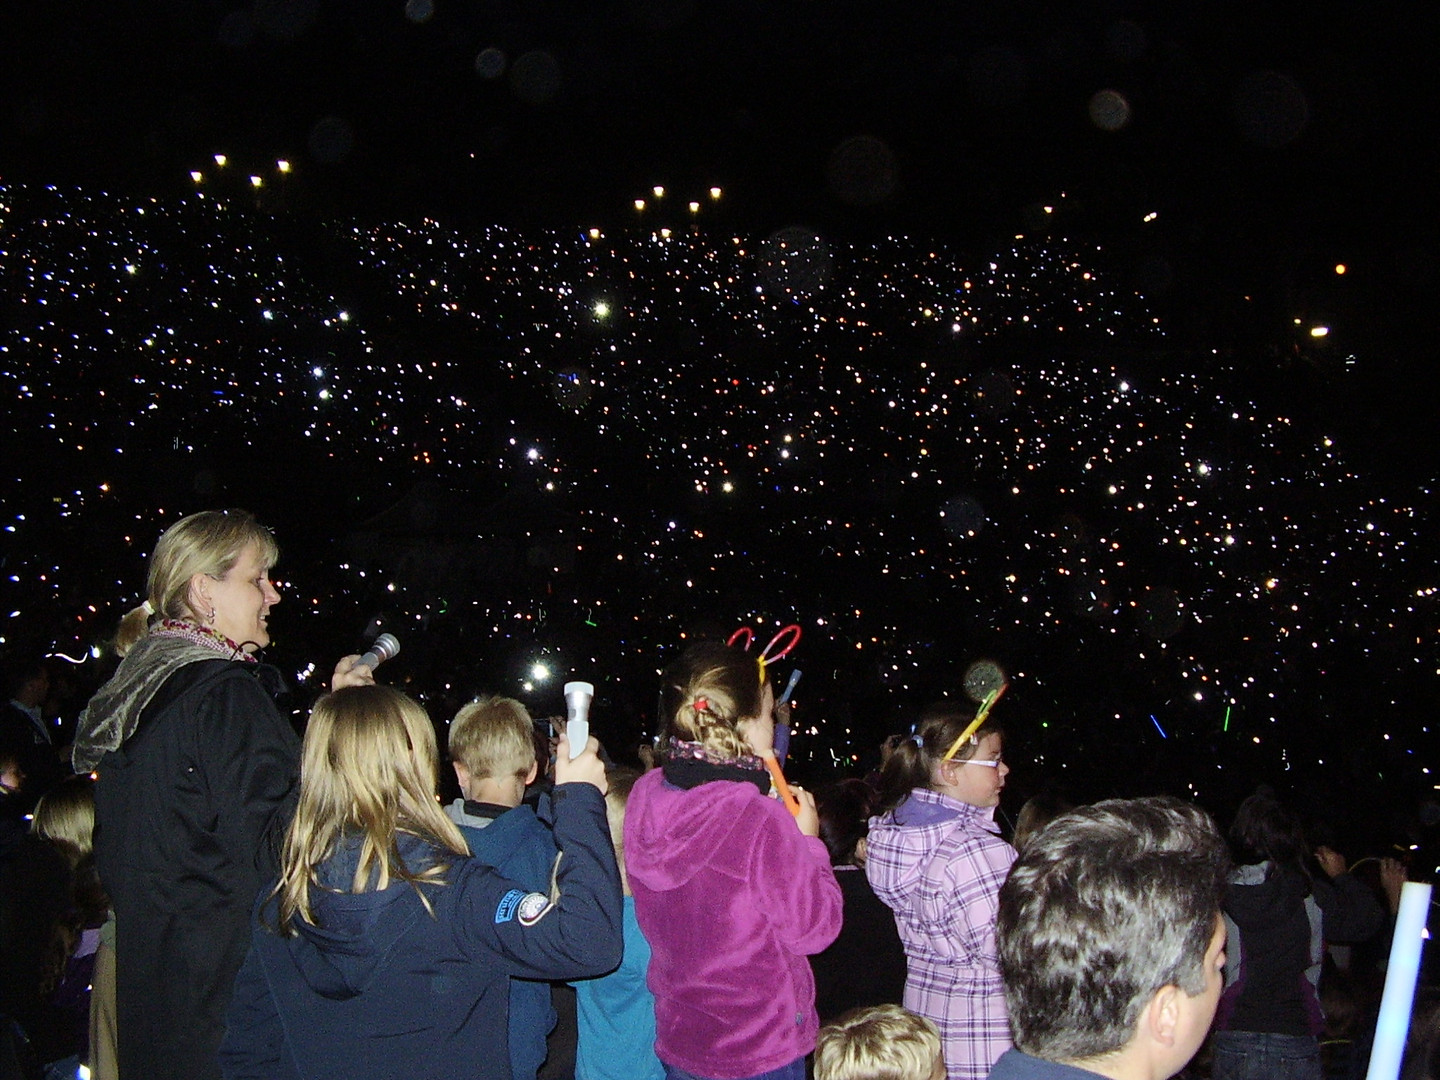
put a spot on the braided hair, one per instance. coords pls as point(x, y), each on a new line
point(707, 693)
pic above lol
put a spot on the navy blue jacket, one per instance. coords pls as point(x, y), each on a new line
point(380, 988)
point(516, 844)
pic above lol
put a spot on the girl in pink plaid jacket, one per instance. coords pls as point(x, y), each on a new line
point(937, 859)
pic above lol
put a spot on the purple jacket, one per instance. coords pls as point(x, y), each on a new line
point(732, 899)
point(939, 864)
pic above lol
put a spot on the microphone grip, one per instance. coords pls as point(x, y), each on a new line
point(384, 648)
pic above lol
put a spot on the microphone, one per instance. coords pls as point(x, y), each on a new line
point(384, 648)
point(578, 696)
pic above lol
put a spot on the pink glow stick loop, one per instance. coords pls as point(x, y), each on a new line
point(794, 631)
point(749, 637)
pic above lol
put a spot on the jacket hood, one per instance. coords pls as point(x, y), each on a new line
point(918, 827)
point(1264, 896)
point(353, 933)
point(671, 833)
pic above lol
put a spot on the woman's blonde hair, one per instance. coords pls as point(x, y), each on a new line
point(65, 816)
point(367, 770)
point(707, 693)
point(210, 542)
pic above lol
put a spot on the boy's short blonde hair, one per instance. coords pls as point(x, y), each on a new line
point(883, 1042)
point(493, 738)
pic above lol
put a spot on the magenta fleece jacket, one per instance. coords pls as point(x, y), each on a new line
point(732, 899)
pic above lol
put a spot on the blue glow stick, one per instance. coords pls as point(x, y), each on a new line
point(789, 688)
point(1394, 1022)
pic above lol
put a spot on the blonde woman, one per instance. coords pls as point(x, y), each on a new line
point(384, 951)
point(197, 772)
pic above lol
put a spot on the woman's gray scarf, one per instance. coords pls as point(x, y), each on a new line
point(114, 712)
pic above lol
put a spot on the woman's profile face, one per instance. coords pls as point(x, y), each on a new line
point(242, 600)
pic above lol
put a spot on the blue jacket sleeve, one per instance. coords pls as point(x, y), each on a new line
point(572, 931)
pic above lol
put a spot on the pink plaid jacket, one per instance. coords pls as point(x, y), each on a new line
point(939, 863)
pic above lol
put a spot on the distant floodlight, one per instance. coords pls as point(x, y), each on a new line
point(1319, 331)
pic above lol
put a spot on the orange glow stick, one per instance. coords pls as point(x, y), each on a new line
point(788, 796)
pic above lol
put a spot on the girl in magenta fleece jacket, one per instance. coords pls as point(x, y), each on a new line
point(731, 891)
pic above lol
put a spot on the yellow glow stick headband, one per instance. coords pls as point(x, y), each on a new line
point(980, 717)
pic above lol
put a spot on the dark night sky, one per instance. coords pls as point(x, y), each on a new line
point(1272, 140)
point(983, 106)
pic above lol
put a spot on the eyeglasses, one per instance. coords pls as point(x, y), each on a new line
point(995, 764)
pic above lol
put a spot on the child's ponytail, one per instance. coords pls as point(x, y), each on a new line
point(706, 694)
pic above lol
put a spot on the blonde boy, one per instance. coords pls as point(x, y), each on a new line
point(493, 751)
point(883, 1042)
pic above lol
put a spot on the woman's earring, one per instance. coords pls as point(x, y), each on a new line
point(212, 615)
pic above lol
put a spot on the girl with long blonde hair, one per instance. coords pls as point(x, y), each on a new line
point(383, 950)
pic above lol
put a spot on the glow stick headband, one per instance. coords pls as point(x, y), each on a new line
point(766, 656)
point(981, 674)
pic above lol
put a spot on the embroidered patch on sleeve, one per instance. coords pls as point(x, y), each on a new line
point(508, 903)
point(534, 908)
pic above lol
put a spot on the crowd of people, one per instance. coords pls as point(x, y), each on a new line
point(208, 894)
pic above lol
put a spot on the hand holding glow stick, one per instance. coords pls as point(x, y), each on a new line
point(786, 795)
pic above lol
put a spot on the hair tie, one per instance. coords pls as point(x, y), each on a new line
point(148, 607)
point(702, 705)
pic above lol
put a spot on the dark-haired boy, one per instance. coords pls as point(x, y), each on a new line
point(1111, 943)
